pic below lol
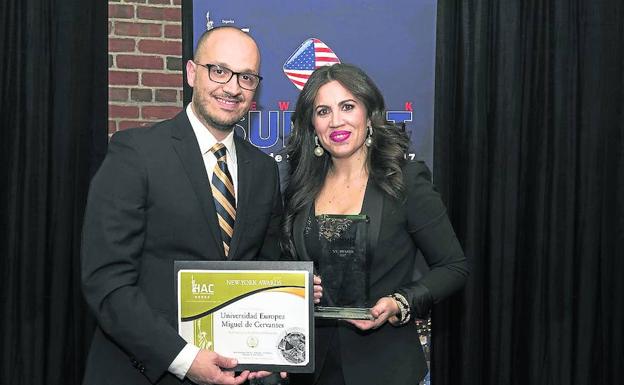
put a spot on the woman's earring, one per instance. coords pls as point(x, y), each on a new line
point(369, 139)
point(318, 150)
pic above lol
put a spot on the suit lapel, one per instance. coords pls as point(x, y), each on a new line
point(187, 149)
point(373, 207)
point(298, 228)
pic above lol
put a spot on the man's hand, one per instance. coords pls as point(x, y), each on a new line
point(262, 374)
point(207, 369)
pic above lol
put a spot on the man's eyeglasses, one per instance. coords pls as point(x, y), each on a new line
point(222, 75)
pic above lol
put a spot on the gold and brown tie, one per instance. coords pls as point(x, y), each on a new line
point(223, 193)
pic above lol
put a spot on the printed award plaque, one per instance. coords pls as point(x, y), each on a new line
point(343, 267)
point(260, 313)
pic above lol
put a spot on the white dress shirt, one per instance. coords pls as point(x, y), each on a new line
point(206, 140)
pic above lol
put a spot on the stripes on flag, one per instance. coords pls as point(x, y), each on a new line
point(310, 55)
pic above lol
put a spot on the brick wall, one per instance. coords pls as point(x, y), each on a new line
point(144, 62)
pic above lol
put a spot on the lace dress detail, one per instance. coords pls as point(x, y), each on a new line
point(332, 228)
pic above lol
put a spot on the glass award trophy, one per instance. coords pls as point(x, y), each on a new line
point(343, 267)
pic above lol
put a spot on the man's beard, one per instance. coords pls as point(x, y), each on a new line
point(214, 122)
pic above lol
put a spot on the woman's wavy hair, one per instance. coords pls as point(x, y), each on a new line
point(306, 174)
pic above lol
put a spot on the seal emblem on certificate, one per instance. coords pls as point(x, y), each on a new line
point(260, 313)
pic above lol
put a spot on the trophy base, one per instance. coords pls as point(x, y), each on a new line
point(334, 312)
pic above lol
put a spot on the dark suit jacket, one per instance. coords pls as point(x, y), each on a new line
point(393, 355)
point(150, 204)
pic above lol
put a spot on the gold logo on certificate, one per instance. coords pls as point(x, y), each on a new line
point(252, 341)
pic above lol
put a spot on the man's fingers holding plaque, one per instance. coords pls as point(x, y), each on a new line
point(207, 369)
point(318, 289)
point(262, 374)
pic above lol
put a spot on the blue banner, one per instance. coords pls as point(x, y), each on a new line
point(394, 42)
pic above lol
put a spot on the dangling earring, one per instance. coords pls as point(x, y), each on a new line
point(369, 139)
point(318, 150)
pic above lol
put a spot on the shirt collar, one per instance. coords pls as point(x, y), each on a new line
point(205, 138)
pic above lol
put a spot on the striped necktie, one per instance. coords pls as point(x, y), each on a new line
point(223, 193)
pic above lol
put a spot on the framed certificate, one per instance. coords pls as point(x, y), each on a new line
point(260, 313)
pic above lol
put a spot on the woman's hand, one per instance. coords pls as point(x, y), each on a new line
point(318, 289)
point(384, 310)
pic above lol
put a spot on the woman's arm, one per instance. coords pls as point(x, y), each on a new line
point(432, 233)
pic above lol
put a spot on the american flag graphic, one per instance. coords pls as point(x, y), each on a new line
point(310, 55)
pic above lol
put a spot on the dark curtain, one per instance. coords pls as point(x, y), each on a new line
point(529, 155)
point(53, 84)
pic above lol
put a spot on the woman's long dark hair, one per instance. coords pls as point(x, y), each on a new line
point(307, 172)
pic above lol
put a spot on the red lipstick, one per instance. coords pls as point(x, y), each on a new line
point(339, 136)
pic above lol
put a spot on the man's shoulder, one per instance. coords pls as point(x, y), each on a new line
point(154, 131)
point(248, 151)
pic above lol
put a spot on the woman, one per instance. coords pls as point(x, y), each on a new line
point(346, 158)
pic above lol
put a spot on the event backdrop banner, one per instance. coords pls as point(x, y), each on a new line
point(393, 42)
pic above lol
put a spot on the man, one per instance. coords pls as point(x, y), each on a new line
point(155, 200)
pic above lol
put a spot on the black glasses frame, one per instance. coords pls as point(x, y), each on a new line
point(232, 73)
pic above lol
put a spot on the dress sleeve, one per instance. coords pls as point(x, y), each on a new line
point(431, 231)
